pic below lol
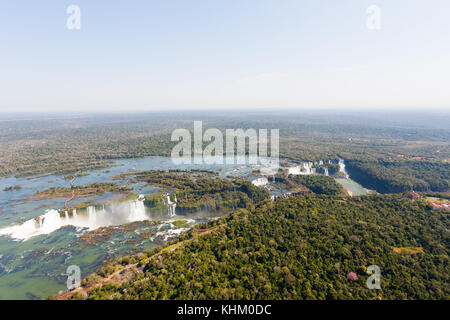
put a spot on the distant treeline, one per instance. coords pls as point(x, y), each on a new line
point(383, 157)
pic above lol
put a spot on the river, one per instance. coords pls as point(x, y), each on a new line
point(37, 245)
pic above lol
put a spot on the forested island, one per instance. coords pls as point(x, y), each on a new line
point(198, 191)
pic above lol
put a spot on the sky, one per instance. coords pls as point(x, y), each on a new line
point(224, 54)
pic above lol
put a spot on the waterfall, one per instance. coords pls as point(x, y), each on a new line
point(92, 214)
point(342, 168)
point(44, 224)
point(115, 214)
point(137, 211)
point(172, 210)
point(51, 221)
point(307, 168)
point(171, 206)
point(294, 170)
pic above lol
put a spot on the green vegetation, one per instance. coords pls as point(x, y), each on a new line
point(297, 248)
point(333, 168)
point(11, 188)
point(93, 189)
point(386, 153)
point(298, 184)
point(181, 224)
point(77, 144)
point(303, 248)
point(73, 176)
point(319, 184)
point(196, 192)
point(400, 176)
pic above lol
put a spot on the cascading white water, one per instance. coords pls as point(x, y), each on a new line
point(342, 168)
point(172, 211)
point(305, 168)
point(92, 214)
point(44, 224)
point(52, 220)
point(294, 170)
point(137, 211)
point(171, 206)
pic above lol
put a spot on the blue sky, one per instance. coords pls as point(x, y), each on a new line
point(211, 54)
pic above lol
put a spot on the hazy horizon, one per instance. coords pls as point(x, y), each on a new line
point(432, 119)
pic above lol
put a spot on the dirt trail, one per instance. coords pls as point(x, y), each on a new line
point(125, 274)
point(70, 200)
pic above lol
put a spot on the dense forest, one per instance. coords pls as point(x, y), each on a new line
point(302, 247)
point(199, 191)
point(400, 176)
point(298, 248)
point(319, 184)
